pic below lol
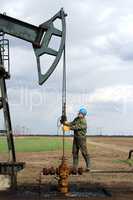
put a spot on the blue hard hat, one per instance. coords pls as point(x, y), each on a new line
point(83, 111)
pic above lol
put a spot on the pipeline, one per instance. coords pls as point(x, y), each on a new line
point(130, 154)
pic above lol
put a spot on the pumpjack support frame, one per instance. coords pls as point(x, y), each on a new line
point(40, 38)
point(11, 167)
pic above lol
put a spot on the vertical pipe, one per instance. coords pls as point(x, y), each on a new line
point(64, 95)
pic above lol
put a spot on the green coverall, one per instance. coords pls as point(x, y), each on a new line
point(79, 126)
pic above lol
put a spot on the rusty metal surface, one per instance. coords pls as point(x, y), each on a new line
point(62, 172)
point(63, 177)
point(55, 171)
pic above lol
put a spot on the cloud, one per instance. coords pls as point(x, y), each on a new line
point(99, 63)
point(113, 94)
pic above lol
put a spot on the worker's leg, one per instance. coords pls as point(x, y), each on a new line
point(84, 151)
point(75, 153)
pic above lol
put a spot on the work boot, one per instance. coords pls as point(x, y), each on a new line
point(74, 170)
point(87, 169)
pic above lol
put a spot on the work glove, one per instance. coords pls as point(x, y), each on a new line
point(66, 128)
point(63, 119)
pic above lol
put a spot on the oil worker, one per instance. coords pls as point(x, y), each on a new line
point(79, 126)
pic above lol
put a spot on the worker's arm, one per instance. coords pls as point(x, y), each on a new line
point(76, 124)
point(66, 123)
point(78, 127)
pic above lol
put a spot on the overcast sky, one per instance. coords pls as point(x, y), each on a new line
point(99, 66)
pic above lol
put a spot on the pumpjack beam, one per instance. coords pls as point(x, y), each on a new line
point(39, 36)
point(20, 29)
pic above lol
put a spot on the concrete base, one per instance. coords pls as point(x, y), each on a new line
point(5, 182)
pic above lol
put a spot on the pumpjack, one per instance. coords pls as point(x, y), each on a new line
point(40, 37)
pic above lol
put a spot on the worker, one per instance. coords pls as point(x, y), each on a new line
point(79, 126)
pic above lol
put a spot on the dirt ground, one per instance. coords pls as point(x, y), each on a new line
point(105, 153)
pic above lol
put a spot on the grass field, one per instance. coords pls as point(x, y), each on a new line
point(106, 154)
point(35, 144)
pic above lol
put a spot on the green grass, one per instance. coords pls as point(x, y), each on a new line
point(128, 162)
point(35, 144)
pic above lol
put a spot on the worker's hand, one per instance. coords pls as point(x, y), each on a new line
point(66, 123)
point(66, 128)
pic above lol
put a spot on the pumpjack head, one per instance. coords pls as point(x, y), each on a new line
point(44, 48)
